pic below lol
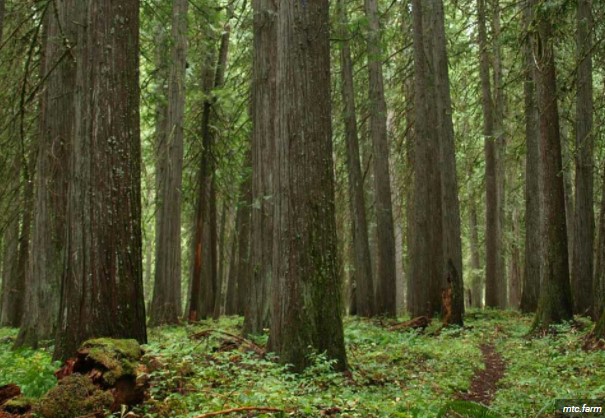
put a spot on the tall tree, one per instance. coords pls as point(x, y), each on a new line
point(554, 304)
point(582, 266)
point(493, 273)
point(166, 304)
point(306, 288)
point(102, 292)
point(599, 273)
point(264, 118)
point(2, 8)
point(476, 283)
point(54, 140)
point(533, 202)
point(385, 246)
point(364, 286)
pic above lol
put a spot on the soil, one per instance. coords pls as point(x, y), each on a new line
point(485, 381)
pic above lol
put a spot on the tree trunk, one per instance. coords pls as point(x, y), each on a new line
point(476, 281)
point(166, 305)
point(582, 265)
point(362, 265)
point(306, 294)
point(264, 116)
point(102, 290)
point(55, 138)
point(515, 263)
point(555, 303)
point(533, 191)
point(385, 256)
point(222, 235)
point(451, 276)
point(2, 8)
point(244, 272)
point(599, 273)
point(493, 233)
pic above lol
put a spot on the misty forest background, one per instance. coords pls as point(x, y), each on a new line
point(348, 185)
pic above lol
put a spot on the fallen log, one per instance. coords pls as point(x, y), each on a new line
point(240, 341)
point(415, 323)
point(8, 392)
point(240, 410)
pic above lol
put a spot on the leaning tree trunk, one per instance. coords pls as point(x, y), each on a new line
point(102, 286)
point(584, 218)
point(56, 131)
point(385, 252)
point(306, 295)
point(555, 303)
point(166, 303)
point(362, 265)
point(264, 116)
point(533, 211)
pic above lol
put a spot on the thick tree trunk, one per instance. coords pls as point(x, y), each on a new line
point(599, 273)
point(55, 138)
point(493, 233)
point(244, 271)
point(385, 255)
point(362, 265)
point(451, 276)
point(166, 304)
point(515, 273)
point(264, 116)
point(555, 304)
point(102, 291)
point(533, 191)
point(582, 265)
point(306, 298)
point(232, 292)
point(219, 297)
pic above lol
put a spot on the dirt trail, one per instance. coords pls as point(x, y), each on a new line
point(485, 381)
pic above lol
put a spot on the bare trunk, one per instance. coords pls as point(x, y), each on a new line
point(102, 290)
point(476, 280)
point(515, 273)
point(385, 255)
point(306, 292)
point(222, 235)
point(584, 218)
point(362, 266)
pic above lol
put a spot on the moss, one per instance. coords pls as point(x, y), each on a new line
point(74, 396)
point(119, 357)
point(18, 405)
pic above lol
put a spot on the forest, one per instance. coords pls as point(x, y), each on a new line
point(302, 208)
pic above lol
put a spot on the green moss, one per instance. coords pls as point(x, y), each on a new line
point(119, 357)
point(18, 405)
point(75, 396)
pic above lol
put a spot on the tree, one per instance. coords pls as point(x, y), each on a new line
point(582, 266)
point(102, 292)
point(166, 305)
point(493, 274)
point(599, 273)
point(54, 144)
point(554, 304)
point(385, 236)
point(364, 286)
point(533, 201)
point(264, 116)
point(306, 295)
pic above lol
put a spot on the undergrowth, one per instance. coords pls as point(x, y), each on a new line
point(392, 374)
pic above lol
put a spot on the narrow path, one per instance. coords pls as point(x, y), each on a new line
point(484, 383)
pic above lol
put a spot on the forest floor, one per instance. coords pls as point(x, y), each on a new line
point(488, 368)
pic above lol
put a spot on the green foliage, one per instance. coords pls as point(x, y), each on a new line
point(32, 370)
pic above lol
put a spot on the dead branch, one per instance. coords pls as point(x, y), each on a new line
point(239, 410)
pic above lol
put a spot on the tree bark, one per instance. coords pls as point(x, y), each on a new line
point(2, 8)
point(101, 291)
point(385, 255)
point(533, 190)
point(599, 273)
point(264, 116)
point(515, 263)
point(493, 234)
point(555, 303)
point(582, 265)
point(166, 304)
point(244, 272)
point(306, 294)
point(362, 265)
point(476, 281)
point(55, 139)
point(219, 298)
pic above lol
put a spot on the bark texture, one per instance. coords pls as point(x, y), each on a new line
point(101, 292)
point(55, 139)
point(362, 265)
point(264, 118)
point(306, 291)
point(555, 303)
point(584, 219)
point(166, 304)
point(385, 247)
